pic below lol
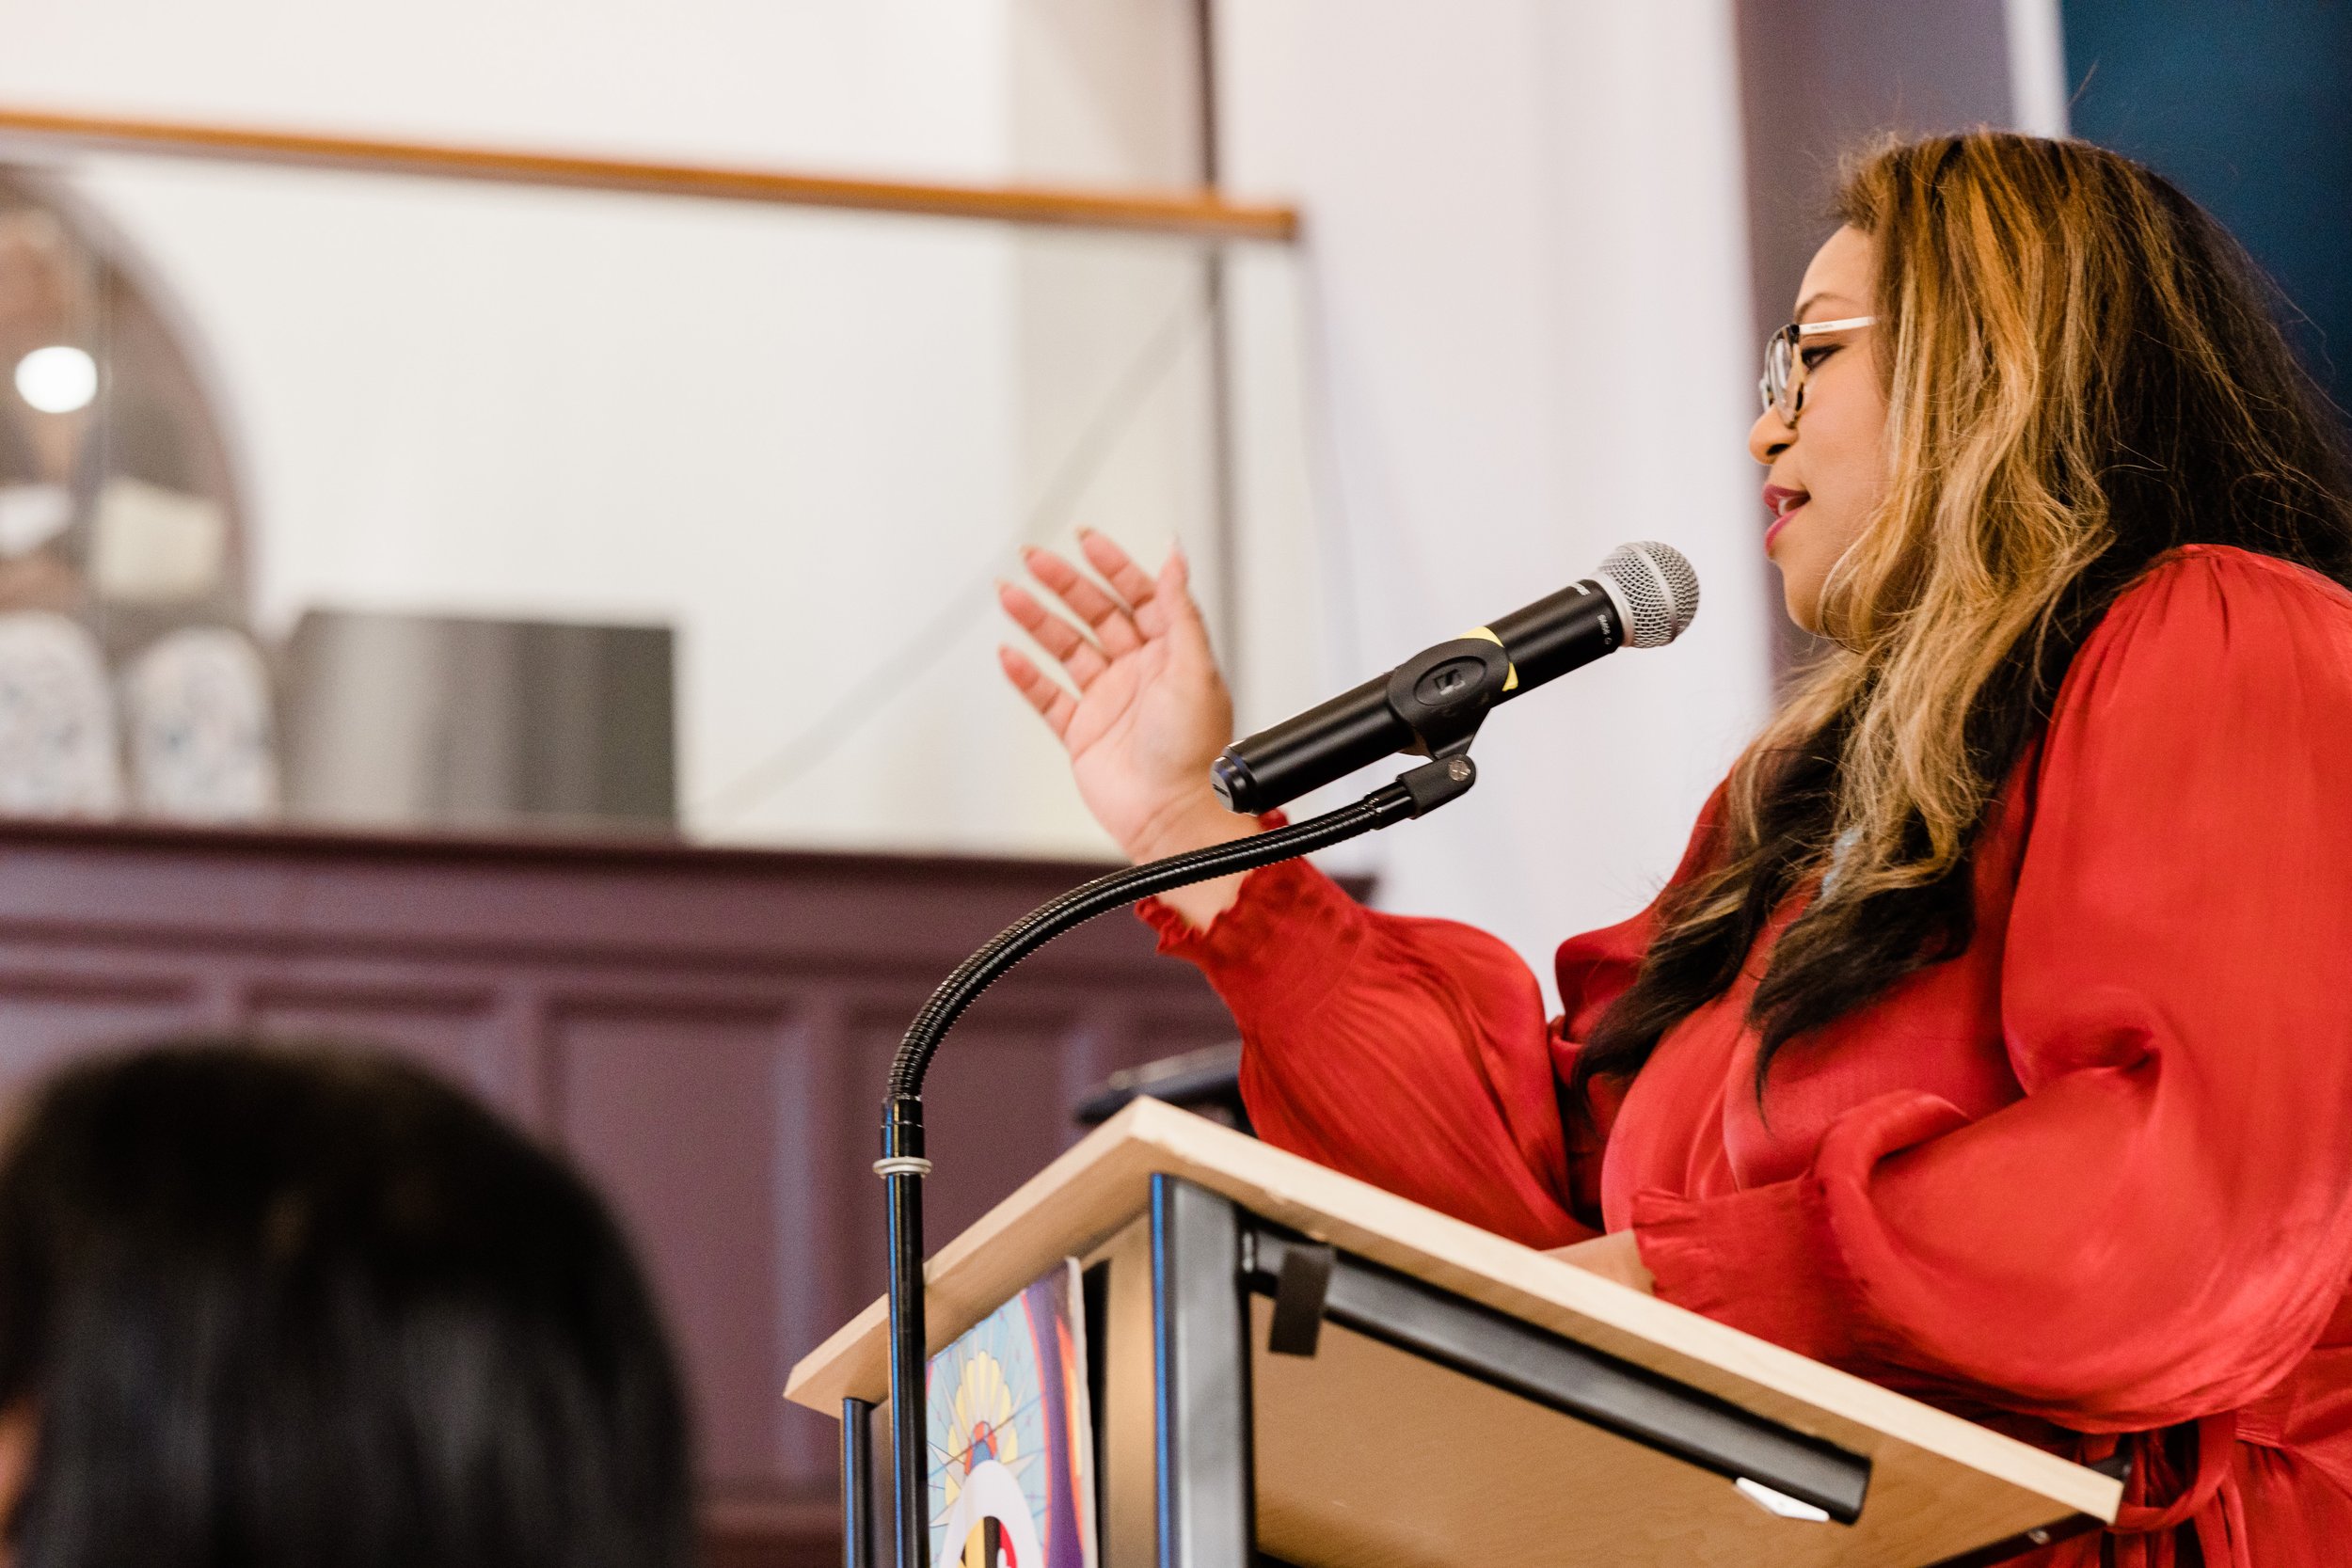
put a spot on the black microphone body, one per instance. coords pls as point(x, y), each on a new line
point(1358, 728)
point(1649, 585)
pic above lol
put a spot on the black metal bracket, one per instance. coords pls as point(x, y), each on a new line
point(1301, 1287)
point(1615, 1395)
point(1202, 1419)
point(857, 1484)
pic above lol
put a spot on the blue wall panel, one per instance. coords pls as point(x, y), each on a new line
point(2246, 104)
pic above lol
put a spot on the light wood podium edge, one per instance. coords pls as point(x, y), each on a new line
point(1101, 1182)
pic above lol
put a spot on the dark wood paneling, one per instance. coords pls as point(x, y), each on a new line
point(456, 1032)
point(694, 1122)
point(49, 1014)
point(706, 1031)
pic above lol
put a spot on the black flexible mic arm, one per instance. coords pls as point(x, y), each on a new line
point(1446, 776)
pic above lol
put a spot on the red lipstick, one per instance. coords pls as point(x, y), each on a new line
point(1785, 503)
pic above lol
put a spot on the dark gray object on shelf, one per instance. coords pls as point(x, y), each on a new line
point(395, 719)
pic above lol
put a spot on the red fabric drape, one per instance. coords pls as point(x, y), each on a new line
point(2089, 1181)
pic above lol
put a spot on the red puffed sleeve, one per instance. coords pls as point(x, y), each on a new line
point(1413, 1054)
point(2158, 1228)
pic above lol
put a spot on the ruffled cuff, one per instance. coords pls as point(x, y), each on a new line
point(1763, 1261)
point(1286, 940)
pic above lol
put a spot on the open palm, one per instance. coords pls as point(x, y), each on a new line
point(1149, 711)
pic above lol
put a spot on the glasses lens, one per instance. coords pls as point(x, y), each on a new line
point(1779, 356)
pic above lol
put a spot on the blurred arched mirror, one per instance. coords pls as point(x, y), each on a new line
point(129, 676)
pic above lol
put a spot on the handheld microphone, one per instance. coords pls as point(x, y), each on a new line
point(1642, 594)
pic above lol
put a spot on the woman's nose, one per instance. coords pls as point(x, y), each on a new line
point(1770, 436)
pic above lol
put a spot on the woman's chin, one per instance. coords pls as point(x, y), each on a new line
point(1800, 600)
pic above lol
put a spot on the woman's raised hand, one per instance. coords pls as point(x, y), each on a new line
point(1150, 711)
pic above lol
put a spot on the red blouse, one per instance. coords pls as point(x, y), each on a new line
point(2090, 1182)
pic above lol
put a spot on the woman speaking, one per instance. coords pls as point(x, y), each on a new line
point(1993, 1038)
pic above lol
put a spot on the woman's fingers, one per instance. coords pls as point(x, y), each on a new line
point(1128, 580)
point(1054, 705)
point(1079, 657)
point(1106, 615)
point(1172, 608)
point(1151, 607)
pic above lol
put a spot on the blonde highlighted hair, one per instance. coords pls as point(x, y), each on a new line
point(2081, 374)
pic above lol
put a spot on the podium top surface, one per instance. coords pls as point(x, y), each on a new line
point(1101, 1183)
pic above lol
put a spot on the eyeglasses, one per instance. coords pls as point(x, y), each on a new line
point(1783, 387)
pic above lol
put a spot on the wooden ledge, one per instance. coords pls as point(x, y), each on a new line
point(1191, 214)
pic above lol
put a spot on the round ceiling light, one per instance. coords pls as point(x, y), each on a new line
point(58, 379)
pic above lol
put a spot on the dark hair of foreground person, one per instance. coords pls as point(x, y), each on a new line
point(275, 1307)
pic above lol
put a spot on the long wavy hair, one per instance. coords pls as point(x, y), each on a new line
point(2082, 373)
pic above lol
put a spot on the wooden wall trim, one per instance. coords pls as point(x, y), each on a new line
point(729, 909)
point(1196, 215)
point(568, 846)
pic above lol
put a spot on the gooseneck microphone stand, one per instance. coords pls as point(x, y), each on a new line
point(1442, 695)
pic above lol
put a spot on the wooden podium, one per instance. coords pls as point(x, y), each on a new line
point(1291, 1365)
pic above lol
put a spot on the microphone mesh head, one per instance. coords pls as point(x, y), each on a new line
point(1660, 592)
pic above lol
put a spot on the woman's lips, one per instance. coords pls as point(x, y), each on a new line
point(1785, 503)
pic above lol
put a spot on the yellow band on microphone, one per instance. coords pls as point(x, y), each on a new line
point(1511, 682)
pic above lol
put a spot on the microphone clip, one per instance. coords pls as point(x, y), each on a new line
point(1442, 694)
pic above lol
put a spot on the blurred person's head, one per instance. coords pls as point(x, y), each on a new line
point(2051, 367)
point(264, 1309)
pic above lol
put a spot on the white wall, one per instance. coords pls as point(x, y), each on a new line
point(1528, 276)
point(1523, 293)
point(807, 439)
point(897, 86)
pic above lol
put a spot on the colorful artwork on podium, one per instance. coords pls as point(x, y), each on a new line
point(1012, 1436)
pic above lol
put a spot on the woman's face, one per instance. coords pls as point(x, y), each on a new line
point(1828, 469)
